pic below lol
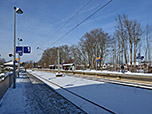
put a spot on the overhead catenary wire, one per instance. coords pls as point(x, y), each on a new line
point(42, 50)
point(81, 22)
point(77, 25)
point(68, 21)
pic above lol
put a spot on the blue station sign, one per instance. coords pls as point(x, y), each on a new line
point(19, 49)
point(139, 56)
point(27, 49)
point(23, 49)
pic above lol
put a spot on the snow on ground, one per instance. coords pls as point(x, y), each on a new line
point(117, 98)
point(111, 72)
point(33, 97)
point(115, 72)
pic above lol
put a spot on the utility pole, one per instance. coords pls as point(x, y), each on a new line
point(58, 74)
point(58, 61)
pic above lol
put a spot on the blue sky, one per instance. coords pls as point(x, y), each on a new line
point(42, 18)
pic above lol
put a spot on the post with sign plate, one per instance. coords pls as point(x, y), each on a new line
point(22, 49)
point(139, 57)
point(19, 50)
point(19, 54)
point(98, 61)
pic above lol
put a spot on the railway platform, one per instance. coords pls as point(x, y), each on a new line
point(31, 96)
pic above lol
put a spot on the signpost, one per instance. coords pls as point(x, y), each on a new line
point(139, 57)
point(98, 61)
point(63, 62)
point(20, 50)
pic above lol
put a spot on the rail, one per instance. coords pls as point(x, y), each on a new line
point(75, 94)
point(109, 75)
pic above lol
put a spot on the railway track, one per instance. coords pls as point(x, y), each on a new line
point(117, 82)
point(79, 96)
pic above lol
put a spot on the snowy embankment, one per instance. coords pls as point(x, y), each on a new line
point(113, 72)
point(117, 98)
point(127, 73)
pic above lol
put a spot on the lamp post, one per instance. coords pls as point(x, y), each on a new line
point(19, 11)
point(19, 39)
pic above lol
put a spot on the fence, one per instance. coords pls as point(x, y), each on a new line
point(5, 83)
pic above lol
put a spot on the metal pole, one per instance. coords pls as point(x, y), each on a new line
point(58, 61)
point(96, 65)
point(18, 59)
point(140, 54)
point(14, 67)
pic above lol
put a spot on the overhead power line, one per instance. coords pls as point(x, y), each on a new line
point(68, 20)
point(81, 22)
point(78, 24)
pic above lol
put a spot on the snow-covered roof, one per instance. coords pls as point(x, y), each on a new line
point(10, 63)
point(70, 64)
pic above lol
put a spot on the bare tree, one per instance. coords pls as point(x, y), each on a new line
point(121, 35)
point(94, 44)
point(128, 33)
point(49, 57)
point(65, 54)
point(133, 32)
point(148, 55)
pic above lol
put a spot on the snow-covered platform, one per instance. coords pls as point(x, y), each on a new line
point(94, 96)
point(32, 96)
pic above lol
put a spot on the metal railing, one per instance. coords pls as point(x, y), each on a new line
point(5, 82)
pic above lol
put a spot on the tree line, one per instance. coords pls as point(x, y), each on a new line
point(128, 39)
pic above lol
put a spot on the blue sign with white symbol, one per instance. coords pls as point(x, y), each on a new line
point(27, 49)
point(98, 60)
point(140, 57)
point(21, 53)
point(19, 49)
